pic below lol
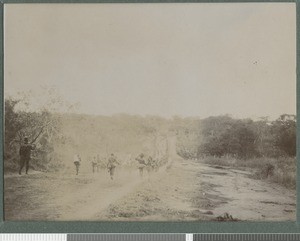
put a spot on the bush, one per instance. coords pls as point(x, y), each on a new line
point(245, 138)
point(220, 161)
point(42, 128)
point(278, 170)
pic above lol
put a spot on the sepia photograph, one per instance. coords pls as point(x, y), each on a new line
point(150, 112)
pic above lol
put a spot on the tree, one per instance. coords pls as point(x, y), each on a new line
point(40, 126)
point(284, 132)
point(12, 126)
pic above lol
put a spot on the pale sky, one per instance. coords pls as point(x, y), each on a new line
point(187, 59)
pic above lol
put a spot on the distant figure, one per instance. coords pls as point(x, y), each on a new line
point(111, 165)
point(77, 161)
point(141, 163)
point(98, 162)
point(94, 164)
point(150, 164)
point(25, 155)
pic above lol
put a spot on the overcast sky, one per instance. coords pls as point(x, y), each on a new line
point(188, 59)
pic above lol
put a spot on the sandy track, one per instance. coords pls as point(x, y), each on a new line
point(49, 196)
point(195, 191)
point(184, 190)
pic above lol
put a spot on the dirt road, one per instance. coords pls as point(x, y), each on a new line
point(184, 190)
point(193, 191)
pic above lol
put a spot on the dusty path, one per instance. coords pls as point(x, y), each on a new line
point(195, 191)
point(183, 190)
point(43, 196)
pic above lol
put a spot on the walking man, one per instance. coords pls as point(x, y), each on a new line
point(111, 166)
point(141, 163)
point(77, 161)
point(25, 155)
point(94, 164)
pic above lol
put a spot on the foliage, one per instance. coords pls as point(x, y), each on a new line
point(60, 136)
point(188, 136)
point(41, 128)
point(280, 170)
point(223, 135)
point(284, 132)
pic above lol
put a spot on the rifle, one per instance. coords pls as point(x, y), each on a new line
point(41, 131)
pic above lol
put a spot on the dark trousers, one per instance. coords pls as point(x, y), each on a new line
point(77, 169)
point(24, 162)
point(111, 172)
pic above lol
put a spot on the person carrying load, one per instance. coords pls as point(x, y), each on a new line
point(141, 163)
point(111, 165)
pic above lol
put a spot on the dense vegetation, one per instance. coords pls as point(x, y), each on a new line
point(269, 147)
point(42, 128)
point(58, 137)
point(222, 136)
point(266, 147)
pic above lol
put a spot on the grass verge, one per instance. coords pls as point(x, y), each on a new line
point(278, 170)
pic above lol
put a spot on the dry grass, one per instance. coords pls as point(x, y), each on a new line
point(281, 171)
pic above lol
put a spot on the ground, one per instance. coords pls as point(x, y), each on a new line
point(183, 190)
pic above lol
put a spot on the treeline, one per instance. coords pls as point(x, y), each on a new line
point(58, 137)
point(241, 138)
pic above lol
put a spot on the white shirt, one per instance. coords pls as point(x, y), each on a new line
point(76, 158)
